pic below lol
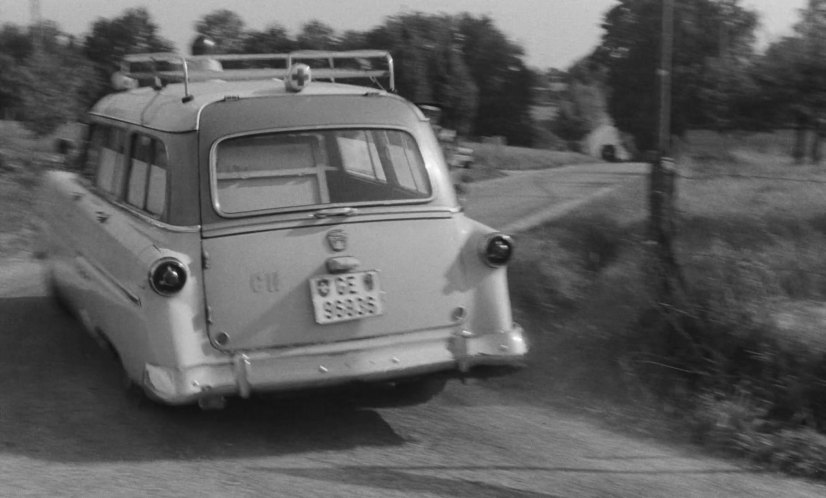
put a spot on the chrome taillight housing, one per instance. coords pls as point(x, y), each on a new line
point(496, 249)
point(167, 276)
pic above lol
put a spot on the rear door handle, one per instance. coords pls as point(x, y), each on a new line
point(335, 212)
point(101, 216)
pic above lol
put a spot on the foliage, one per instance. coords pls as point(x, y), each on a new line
point(582, 103)
point(315, 35)
point(630, 50)
point(44, 81)
point(15, 48)
point(56, 89)
point(274, 39)
point(503, 80)
point(430, 66)
point(223, 27)
point(112, 39)
point(737, 365)
point(792, 72)
point(16, 42)
point(463, 63)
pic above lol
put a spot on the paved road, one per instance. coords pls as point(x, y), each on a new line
point(525, 199)
point(68, 429)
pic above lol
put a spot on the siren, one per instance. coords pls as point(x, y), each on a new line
point(298, 77)
point(121, 82)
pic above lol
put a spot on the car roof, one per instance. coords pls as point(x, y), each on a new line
point(168, 110)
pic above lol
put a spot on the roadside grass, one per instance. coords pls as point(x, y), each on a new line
point(737, 363)
point(22, 158)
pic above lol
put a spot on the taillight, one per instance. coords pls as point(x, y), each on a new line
point(496, 249)
point(167, 276)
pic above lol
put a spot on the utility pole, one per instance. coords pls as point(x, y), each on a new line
point(662, 179)
point(666, 62)
point(37, 25)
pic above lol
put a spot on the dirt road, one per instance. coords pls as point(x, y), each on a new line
point(67, 428)
point(524, 199)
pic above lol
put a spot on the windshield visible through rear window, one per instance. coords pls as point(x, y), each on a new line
point(319, 167)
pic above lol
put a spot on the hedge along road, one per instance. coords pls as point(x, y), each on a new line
point(68, 428)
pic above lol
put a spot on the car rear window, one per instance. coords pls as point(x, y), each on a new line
point(319, 167)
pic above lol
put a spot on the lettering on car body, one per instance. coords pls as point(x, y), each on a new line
point(264, 282)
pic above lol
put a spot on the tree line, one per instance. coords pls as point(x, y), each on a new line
point(720, 79)
point(479, 76)
point(463, 63)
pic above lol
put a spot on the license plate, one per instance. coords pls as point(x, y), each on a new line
point(344, 297)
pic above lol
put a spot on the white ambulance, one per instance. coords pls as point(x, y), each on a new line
point(235, 229)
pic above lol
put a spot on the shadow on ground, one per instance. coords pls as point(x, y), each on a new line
point(63, 400)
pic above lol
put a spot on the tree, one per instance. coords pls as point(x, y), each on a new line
point(430, 64)
point(112, 39)
point(16, 42)
point(630, 49)
point(55, 93)
point(505, 83)
point(225, 28)
point(406, 40)
point(44, 82)
point(353, 40)
point(315, 35)
point(582, 102)
point(14, 79)
point(15, 49)
point(274, 39)
point(792, 79)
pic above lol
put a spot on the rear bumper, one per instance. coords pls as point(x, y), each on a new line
point(384, 359)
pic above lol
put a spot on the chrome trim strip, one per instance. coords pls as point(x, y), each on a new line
point(112, 280)
point(227, 227)
point(154, 222)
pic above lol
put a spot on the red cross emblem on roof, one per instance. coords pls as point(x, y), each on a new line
point(298, 77)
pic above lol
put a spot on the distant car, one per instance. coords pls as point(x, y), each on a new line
point(232, 233)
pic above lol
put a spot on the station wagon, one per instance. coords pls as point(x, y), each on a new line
point(231, 229)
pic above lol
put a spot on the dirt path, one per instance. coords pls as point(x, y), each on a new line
point(68, 429)
point(524, 199)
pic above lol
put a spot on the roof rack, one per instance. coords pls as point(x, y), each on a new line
point(326, 65)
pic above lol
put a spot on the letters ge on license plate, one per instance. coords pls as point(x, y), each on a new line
point(347, 296)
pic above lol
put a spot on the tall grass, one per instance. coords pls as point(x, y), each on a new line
point(737, 360)
point(22, 157)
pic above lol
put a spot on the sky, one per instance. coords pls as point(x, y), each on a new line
point(554, 33)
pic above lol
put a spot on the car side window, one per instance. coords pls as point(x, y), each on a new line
point(139, 170)
point(111, 166)
point(91, 161)
point(156, 191)
point(146, 188)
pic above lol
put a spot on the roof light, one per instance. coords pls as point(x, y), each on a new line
point(298, 77)
point(121, 82)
